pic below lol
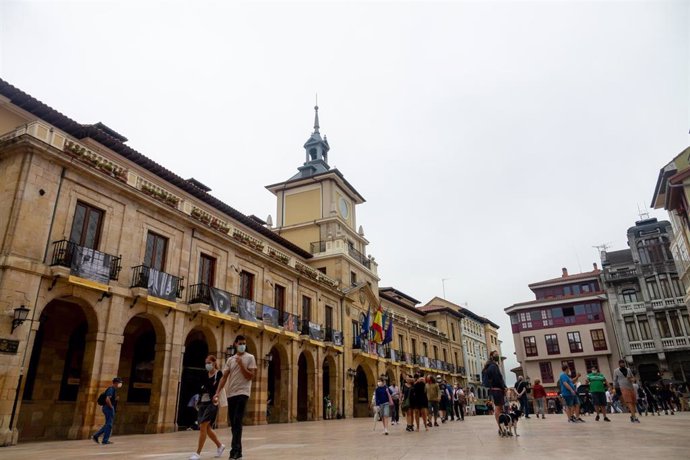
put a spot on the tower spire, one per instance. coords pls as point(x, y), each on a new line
point(316, 115)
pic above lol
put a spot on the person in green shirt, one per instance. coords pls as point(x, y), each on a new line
point(597, 387)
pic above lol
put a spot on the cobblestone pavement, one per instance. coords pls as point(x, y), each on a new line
point(475, 438)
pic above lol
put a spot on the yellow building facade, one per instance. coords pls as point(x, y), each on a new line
point(112, 265)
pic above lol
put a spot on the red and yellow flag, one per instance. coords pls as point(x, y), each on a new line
point(377, 326)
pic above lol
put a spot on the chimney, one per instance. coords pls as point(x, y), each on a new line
point(565, 272)
point(595, 266)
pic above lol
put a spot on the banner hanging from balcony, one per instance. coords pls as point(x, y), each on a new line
point(161, 285)
point(220, 301)
point(338, 338)
point(247, 309)
point(270, 316)
point(91, 264)
point(290, 323)
point(315, 331)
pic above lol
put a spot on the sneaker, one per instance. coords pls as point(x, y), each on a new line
point(195, 456)
point(579, 419)
point(107, 442)
point(571, 419)
point(220, 450)
point(606, 419)
point(435, 424)
point(95, 439)
point(597, 418)
point(385, 432)
point(637, 420)
point(632, 419)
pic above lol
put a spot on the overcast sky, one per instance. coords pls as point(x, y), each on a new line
point(495, 142)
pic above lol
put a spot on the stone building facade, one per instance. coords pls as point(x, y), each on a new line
point(125, 268)
point(567, 323)
point(647, 302)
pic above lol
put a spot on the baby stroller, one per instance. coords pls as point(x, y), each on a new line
point(586, 403)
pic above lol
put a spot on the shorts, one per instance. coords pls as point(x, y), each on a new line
point(207, 413)
point(385, 410)
point(599, 399)
point(629, 396)
point(433, 407)
point(498, 397)
point(571, 400)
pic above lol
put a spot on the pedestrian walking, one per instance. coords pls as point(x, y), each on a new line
point(569, 394)
point(623, 378)
point(433, 394)
point(666, 398)
point(521, 390)
point(493, 380)
point(238, 374)
point(539, 394)
point(405, 404)
point(208, 407)
point(395, 394)
point(472, 401)
point(419, 401)
point(651, 400)
point(459, 402)
point(108, 402)
point(383, 402)
point(597, 388)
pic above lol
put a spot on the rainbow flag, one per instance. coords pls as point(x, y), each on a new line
point(377, 326)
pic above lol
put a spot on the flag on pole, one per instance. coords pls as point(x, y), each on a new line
point(365, 324)
point(377, 326)
point(389, 331)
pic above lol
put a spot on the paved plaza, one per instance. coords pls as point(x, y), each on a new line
point(476, 438)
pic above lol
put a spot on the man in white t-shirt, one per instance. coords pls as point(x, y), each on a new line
point(238, 373)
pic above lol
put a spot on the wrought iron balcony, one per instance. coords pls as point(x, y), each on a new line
point(141, 278)
point(86, 262)
point(199, 293)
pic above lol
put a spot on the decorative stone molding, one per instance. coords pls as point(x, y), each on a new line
point(249, 240)
point(210, 220)
point(278, 255)
point(95, 160)
point(307, 271)
point(158, 193)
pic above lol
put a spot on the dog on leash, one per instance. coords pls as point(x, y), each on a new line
point(507, 422)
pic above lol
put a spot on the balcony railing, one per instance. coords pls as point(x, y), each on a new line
point(334, 336)
point(141, 278)
point(621, 275)
point(199, 293)
point(317, 247)
point(635, 307)
point(359, 257)
point(661, 267)
point(85, 262)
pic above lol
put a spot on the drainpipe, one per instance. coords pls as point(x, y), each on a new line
point(344, 376)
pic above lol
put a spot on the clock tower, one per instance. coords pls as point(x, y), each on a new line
point(316, 210)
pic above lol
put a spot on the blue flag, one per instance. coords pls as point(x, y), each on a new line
point(365, 324)
point(389, 331)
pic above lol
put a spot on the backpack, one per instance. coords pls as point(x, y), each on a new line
point(485, 377)
point(101, 399)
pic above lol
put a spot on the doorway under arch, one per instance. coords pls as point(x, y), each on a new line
point(196, 349)
point(278, 386)
point(361, 393)
point(305, 398)
point(329, 388)
point(59, 371)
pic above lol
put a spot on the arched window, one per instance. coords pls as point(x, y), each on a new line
point(312, 153)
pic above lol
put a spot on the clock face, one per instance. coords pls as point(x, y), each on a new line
point(344, 208)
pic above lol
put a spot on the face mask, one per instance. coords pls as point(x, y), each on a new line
point(241, 348)
point(380, 384)
point(209, 367)
point(119, 385)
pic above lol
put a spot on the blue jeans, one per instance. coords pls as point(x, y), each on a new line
point(108, 427)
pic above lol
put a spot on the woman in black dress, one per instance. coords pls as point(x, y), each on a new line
point(207, 408)
point(419, 403)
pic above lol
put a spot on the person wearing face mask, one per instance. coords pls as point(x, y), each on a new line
point(208, 408)
point(384, 401)
point(238, 374)
point(109, 403)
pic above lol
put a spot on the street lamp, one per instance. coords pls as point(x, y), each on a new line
point(20, 315)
